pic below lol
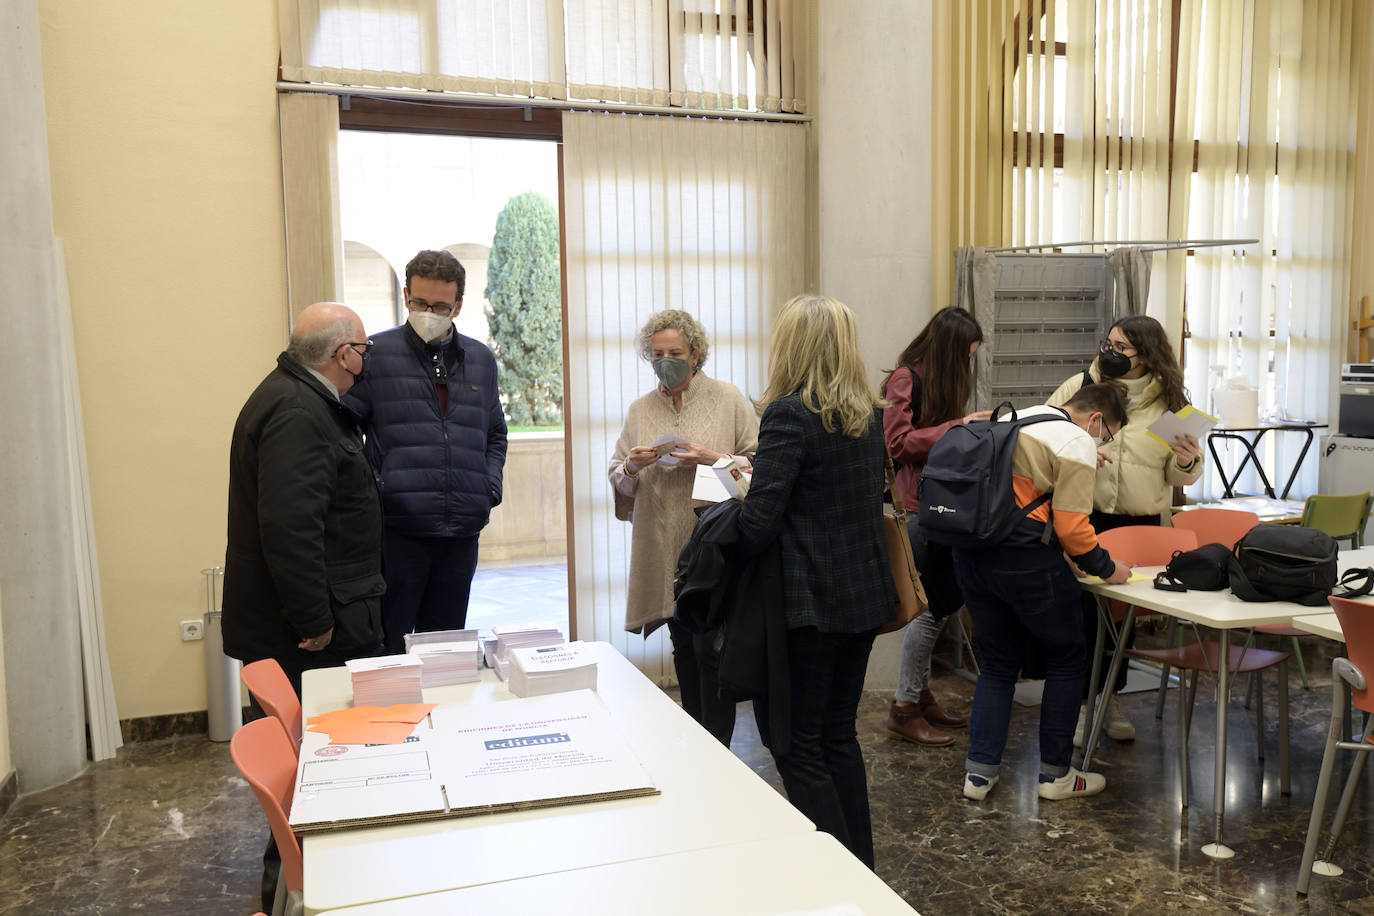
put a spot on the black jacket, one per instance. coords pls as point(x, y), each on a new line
point(305, 527)
point(440, 473)
point(735, 601)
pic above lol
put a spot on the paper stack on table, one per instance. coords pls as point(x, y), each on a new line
point(386, 680)
point(415, 639)
point(551, 669)
point(522, 636)
point(448, 662)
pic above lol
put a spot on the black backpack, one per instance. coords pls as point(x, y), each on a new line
point(1284, 563)
point(966, 496)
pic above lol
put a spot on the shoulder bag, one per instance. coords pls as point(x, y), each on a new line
point(911, 597)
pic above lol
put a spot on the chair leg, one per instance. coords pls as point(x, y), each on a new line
point(1352, 785)
point(1309, 849)
point(1258, 678)
point(1285, 785)
point(1302, 669)
point(1189, 685)
point(1250, 678)
point(1183, 735)
point(1169, 637)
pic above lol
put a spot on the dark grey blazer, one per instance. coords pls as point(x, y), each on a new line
point(821, 495)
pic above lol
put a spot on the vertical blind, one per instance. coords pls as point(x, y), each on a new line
point(716, 54)
point(1266, 93)
point(706, 216)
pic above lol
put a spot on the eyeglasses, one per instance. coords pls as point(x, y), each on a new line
point(1119, 346)
point(362, 349)
point(442, 309)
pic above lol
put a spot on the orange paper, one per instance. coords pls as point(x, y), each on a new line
point(371, 733)
point(414, 713)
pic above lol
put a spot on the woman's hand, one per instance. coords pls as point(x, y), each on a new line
point(977, 415)
point(695, 454)
point(1186, 450)
point(1103, 457)
point(640, 457)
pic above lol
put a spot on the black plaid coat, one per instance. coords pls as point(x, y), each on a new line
point(820, 495)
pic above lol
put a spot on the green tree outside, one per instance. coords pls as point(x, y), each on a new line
point(524, 312)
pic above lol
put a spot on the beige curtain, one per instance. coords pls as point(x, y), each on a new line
point(310, 198)
point(495, 47)
point(718, 54)
point(702, 215)
point(1281, 169)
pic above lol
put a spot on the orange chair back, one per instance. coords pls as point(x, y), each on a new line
point(1146, 545)
point(266, 757)
point(1217, 526)
point(1357, 623)
point(272, 689)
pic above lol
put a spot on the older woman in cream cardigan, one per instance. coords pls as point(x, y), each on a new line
point(707, 420)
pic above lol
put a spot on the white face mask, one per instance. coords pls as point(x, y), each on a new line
point(1103, 438)
point(429, 326)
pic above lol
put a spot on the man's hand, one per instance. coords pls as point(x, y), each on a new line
point(1119, 575)
point(316, 643)
point(695, 454)
point(1073, 568)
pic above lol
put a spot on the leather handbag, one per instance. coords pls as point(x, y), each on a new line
point(911, 596)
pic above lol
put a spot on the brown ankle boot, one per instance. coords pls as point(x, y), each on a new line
point(904, 721)
point(931, 711)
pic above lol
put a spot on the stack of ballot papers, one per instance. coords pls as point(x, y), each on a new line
point(415, 639)
point(447, 662)
point(522, 636)
point(551, 669)
point(386, 680)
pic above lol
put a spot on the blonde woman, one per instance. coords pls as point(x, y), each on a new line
point(706, 419)
point(818, 490)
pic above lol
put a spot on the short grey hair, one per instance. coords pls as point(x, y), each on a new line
point(673, 320)
point(317, 348)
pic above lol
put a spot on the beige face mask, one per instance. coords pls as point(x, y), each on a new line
point(429, 326)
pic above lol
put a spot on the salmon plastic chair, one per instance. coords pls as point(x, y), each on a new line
point(1357, 623)
point(268, 684)
point(1217, 526)
point(266, 756)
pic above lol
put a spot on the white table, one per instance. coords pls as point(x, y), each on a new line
point(1221, 611)
point(1327, 625)
point(709, 798)
point(798, 872)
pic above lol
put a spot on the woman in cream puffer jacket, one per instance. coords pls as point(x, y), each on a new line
point(1138, 472)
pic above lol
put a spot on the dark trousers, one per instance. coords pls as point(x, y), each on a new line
point(823, 771)
point(428, 581)
point(700, 690)
point(1105, 521)
point(1015, 596)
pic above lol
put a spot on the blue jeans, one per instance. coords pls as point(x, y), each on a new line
point(428, 581)
point(1015, 596)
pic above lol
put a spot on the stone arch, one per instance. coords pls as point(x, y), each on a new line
point(472, 321)
point(371, 287)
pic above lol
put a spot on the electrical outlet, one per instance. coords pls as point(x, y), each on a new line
point(192, 629)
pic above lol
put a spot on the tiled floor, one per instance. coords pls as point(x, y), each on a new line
point(168, 827)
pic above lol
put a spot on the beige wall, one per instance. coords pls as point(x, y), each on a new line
point(162, 134)
point(530, 525)
point(6, 762)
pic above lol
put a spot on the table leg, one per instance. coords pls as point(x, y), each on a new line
point(1100, 715)
point(1091, 702)
point(1216, 849)
point(1297, 465)
point(1226, 492)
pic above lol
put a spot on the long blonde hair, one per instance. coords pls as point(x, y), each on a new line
point(816, 353)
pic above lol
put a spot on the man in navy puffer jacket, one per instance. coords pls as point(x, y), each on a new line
point(436, 438)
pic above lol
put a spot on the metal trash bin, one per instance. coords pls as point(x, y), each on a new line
point(223, 692)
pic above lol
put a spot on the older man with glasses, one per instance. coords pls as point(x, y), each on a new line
point(436, 438)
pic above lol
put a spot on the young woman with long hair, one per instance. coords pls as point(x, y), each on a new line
point(927, 393)
point(1136, 472)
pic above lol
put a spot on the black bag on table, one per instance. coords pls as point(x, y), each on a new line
point(1284, 563)
point(1206, 569)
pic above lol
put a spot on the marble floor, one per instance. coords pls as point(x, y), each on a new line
point(168, 827)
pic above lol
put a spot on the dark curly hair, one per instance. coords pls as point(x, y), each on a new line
point(1152, 346)
point(438, 265)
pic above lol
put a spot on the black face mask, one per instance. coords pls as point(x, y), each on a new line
point(1113, 364)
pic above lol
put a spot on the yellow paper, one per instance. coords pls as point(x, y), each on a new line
point(1188, 421)
point(1135, 577)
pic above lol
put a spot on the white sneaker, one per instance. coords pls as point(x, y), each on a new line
point(1081, 729)
point(1072, 784)
point(977, 787)
point(1118, 727)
